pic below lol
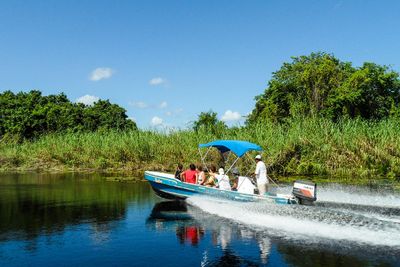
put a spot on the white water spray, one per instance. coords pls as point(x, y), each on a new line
point(376, 223)
point(358, 196)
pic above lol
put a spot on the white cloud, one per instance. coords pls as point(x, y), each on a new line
point(157, 81)
point(174, 112)
point(163, 104)
point(156, 121)
point(132, 119)
point(101, 73)
point(230, 115)
point(139, 104)
point(87, 99)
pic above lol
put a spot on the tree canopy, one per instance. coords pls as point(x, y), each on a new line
point(209, 122)
point(321, 85)
point(31, 114)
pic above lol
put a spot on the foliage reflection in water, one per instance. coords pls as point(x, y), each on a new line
point(85, 220)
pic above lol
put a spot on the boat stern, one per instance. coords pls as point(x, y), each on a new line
point(305, 192)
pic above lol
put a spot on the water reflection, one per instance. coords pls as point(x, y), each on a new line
point(192, 226)
point(189, 234)
point(225, 243)
point(33, 205)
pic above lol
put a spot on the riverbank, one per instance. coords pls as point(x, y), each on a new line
point(316, 147)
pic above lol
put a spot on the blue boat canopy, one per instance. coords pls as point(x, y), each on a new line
point(238, 147)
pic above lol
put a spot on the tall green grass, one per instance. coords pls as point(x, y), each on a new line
point(300, 147)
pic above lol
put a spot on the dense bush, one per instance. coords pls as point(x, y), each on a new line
point(28, 115)
point(322, 85)
point(351, 149)
point(208, 121)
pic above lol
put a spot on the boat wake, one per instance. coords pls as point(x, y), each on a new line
point(341, 214)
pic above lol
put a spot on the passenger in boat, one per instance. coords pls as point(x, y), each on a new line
point(261, 175)
point(222, 178)
point(190, 175)
point(178, 171)
point(201, 176)
point(211, 181)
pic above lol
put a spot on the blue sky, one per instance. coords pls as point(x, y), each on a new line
point(166, 61)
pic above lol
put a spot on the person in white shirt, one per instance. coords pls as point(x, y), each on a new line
point(223, 179)
point(242, 184)
point(261, 175)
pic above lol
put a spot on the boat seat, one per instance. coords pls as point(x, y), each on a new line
point(245, 185)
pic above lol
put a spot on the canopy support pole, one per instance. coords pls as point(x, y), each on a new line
point(232, 164)
point(251, 159)
point(205, 155)
point(227, 158)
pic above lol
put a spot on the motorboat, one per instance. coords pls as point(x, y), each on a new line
point(167, 186)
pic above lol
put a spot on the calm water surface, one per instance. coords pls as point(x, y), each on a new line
point(86, 220)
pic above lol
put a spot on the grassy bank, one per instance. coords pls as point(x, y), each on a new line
point(347, 149)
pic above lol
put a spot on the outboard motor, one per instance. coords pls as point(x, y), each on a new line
point(305, 192)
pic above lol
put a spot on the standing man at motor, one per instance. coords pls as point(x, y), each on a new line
point(261, 175)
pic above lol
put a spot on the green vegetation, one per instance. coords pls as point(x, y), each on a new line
point(208, 121)
point(348, 148)
point(318, 116)
point(30, 115)
point(322, 85)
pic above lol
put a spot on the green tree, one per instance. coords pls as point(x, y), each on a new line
point(208, 121)
point(28, 115)
point(322, 85)
point(104, 115)
point(371, 92)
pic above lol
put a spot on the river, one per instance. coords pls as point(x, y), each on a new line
point(88, 220)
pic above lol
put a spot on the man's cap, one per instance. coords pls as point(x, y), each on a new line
point(258, 157)
point(235, 171)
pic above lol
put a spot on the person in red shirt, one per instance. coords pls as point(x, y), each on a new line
point(190, 175)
